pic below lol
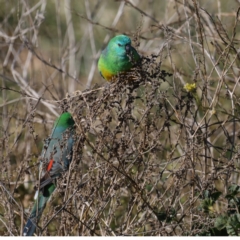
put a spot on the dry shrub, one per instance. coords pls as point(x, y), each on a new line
point(157, 155)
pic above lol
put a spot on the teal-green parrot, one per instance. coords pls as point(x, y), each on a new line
point(118, 57)
point(55, 159)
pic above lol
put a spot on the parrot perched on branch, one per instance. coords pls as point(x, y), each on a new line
point(55, 159)
point(118, 57)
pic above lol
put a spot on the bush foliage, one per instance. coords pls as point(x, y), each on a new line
point(157, 155)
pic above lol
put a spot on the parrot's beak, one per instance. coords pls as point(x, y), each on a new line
point(128, 48)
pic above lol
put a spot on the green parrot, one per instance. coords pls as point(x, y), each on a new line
point(55, 159)
point(118, 57)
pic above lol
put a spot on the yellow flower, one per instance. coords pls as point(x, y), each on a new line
point(190, 87)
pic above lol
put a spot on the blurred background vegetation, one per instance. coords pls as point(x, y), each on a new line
point(50, 49)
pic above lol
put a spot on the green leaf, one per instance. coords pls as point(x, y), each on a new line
point(166, 215)
point(233, 205)
point(206, 194)
point(149, 187)
point(161, 215)
point(207, 205)
point(215, 195)
point(221, 222)
point(233, 226)
point(233, 190)
point(217, 232)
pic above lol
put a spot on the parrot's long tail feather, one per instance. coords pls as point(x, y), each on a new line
point(39, 205)
point(29, 228)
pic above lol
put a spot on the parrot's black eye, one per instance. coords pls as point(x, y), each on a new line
point(119, 44)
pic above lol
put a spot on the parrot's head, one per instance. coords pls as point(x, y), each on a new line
point(65, 120)
point(121, 45)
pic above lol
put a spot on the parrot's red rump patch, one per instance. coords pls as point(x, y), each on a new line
point(50, 165)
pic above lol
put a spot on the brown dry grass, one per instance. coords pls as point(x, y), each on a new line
point(146, 151)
